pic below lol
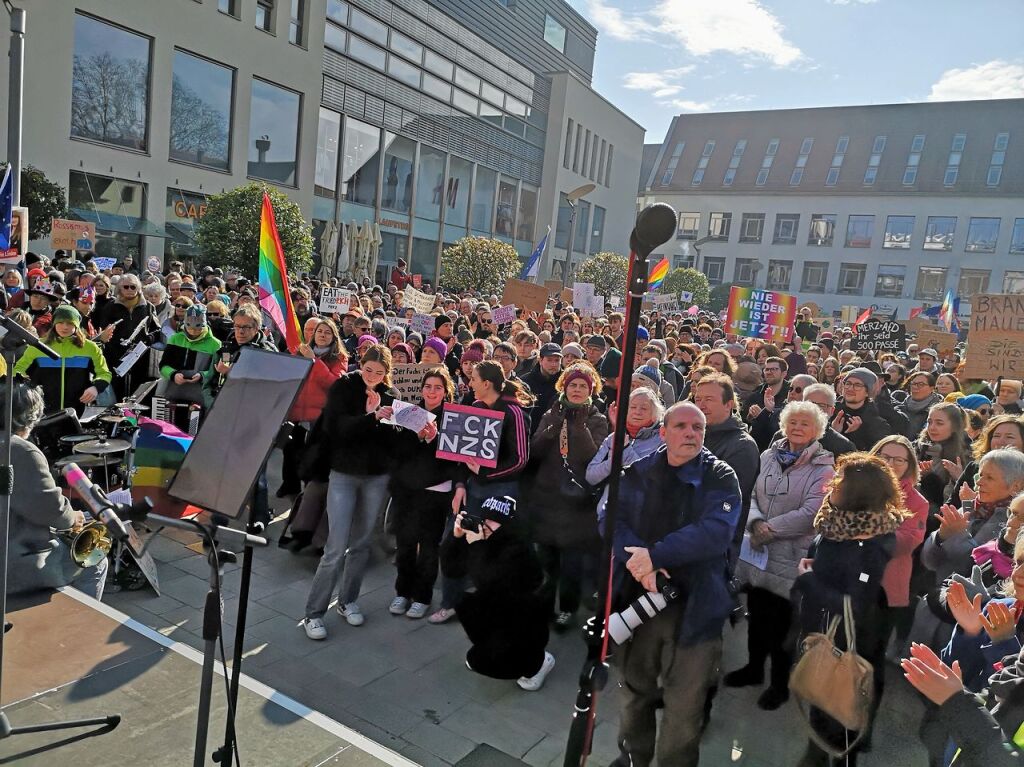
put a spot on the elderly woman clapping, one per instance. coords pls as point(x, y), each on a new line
point(789, 490)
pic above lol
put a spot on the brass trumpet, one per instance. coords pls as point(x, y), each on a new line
point(89, 544)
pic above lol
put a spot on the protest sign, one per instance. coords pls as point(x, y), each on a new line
point(417, 281)
point(408, 379)
point(335, 300)
point(153, 264)
point(879, 335)
point(503, 314)
point(104, 263)
point(18, 243)
point(422, 323)
point(815, 309)
point(917, 324)
point(825, 323)
point(470, 433)
point(995, 343)
point(553, 286)
point(422, 302)
point(531, 297)
point(686, 297)
point(409, 416)
point(939, 340)
point(566, 296)
point(581, 293)
point(69, 234)
point(763, 314)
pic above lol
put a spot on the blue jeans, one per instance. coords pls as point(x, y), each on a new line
point(354, 504)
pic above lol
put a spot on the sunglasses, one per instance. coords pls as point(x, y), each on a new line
point(128, 287)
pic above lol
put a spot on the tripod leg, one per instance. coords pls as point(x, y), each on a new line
point(223, 755)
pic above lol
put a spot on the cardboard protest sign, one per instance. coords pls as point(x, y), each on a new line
point(939, 340)
point(919, 323)
point(824, 323)
point(995, 343)
point(422, 323)
point(335, 300)
point(422, 302)
point(764, 314)
point(17, 247)
point(529, 296)
point(553, 286)
point(417, 281)
point(504, 314)
point(879, 335)
point(70, 234)
point(408, 379)
point(470, 433)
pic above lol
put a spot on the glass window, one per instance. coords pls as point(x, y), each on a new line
point(483, 199)
point(368, 27)
point(492, 94)
point(677, 150)
point(436, 87)
point(698, 177)
point(939, 232)
point(773, 147)
point(273, 133)
point(780, 274)
point(295, 20)
point(814, 277)
point(1017, 237)
point(797, 177)
point(972, 282)
point(526, 220)
point(360, 163)
point(562, 224)
point(424, 257)
point(468, 80)
point(1013, 282)
point(201, 94)
point(554, 33)
point(608, 167)
point(786, 225)
point(335, 37)
point(412, 50)
point(730, 176)
point(822, 230)
point(917, 145)
point(328, 133)
point(110, 84)
point(898, 231)
point(833, 177)
point(1002, 141)
point(488, 113)
point(369, 54)
point(689, 226)
point(949, 177)
point(995, 175)
point(439, 65)
point(859, 230)
point(579, 242)
point(762, 177)
point(718, 226)
point(117, 206)
point(264, 15)
point(227, 6)
point(465, 102)
point(889, 281)
point(982, 234)
point(597, 229)
point(460, 173)
point(842, 144)
point(337, 10)
point(751, 227)
point(931, 283)
point(399, 153)
point(806, 145)
point(182, 212)
point(505, 221)
point(430, 183)
point(402, 70)
point(516, 107)
point(745, 271)
point(910, 175)
point(870, 175)
point(714, 268)
point(851, 279)
point(878, 145)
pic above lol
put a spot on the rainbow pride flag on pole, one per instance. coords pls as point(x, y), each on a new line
point(948, 313)
point(275, 295)
point(657, 275)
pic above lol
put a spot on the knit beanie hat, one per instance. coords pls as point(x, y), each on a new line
point(409, 353)
point(195, 317)
point(609, 365)
point(574, 349)
point(649, 375)
point(397, 329)
point(974, 401)
point(441, 319)
point(643, 334)
point(67, 314)
point(865, 376)
point(366, 338)
point(577, 373)
point(437, 345)
point(414, 338)
point(473, 354)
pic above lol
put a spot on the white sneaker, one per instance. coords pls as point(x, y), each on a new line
point(417, 611)
point(535, 682)
point(315, 628)
point(352, 614)
point(399, 606)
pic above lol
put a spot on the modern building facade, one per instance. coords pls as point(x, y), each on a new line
point(428, 120)
point(885, 206)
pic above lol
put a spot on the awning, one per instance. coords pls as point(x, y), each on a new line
point(114, 222)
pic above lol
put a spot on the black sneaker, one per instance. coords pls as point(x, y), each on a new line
point(744, 677)
point(772, 698)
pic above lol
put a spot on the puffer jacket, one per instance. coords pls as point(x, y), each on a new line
point(787, 499)
point(647, 441)
point(313, 394)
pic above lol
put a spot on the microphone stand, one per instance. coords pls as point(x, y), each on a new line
point(654, 226)
point(13, 340)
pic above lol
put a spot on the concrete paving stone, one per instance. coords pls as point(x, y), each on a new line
point(422, 757)
point(190, 589)
point(542, 712)
point(144, 599)
point(348, 659)
point(256, 612)
point(488, 726)
point(549, 751)
point(450, 672)
point(440, 741)
point(381, 712)
point(290, 601)
point(284, 632)
point(415, 693)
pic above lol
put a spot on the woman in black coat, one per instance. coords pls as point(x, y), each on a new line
point(128, 310)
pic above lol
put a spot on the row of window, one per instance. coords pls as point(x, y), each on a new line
point(917, 144)
point(595, 159)
point(890, 280)
point(939, 233)
point(407, 61)
point(266, 19)
point(584, 222)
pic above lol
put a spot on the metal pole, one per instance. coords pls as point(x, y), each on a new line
point(14, 99)
point(572, 236)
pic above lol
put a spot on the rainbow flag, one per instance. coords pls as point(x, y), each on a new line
point(275, 295)
point(948, 313)
point(763, 314)
point(657, 275)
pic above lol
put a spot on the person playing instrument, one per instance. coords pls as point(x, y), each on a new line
point(80, 374)
point(38, 558)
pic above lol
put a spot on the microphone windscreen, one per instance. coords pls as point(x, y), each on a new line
point(656, 224)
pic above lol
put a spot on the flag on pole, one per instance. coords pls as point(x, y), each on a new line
point(657, 275)
point(947, 313)
point(6, 209)
point(915, 311)
point(533, 264)
point(275, 295)
point(864, 315)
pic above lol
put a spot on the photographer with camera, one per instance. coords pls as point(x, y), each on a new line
point(678, 510)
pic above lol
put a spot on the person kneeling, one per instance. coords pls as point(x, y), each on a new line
point(506, 618)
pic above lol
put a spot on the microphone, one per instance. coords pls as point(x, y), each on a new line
point(655, 224)
point(95, 499)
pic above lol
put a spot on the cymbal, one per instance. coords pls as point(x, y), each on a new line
point(131, 406)
point(103, 446)
point(86, 461)
point(113, 418)
point(74, 439)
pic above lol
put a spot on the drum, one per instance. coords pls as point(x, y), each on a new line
point(51, 428)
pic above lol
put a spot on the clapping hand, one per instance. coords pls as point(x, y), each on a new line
point(953, 468)
point(967, 493)
point(967, 612)
point(930, 676)
point(1000, 623)
point(953, 521)
point(372, 401)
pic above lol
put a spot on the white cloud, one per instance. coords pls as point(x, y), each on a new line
point(661, 84)
point(614, 23)
point(851, 2)
point(685, 105)
point(991, 80)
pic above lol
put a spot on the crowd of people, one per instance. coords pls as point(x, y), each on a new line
point(781, 479)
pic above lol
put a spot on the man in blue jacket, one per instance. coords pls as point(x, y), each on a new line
point(678, 510)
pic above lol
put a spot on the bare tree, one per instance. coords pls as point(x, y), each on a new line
point(108, 100)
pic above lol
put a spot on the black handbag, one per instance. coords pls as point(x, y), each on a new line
point(574, 488)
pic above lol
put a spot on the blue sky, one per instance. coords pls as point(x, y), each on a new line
point(659, 58)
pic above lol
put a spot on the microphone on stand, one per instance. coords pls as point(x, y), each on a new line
point(101, 507)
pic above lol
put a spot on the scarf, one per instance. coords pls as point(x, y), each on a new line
point(321, 351)
point(914, 406)
point(787, 458)
point(984, 511)
point(571, 409)
point(1002, 565)
point(844, 525)
point(632, 430)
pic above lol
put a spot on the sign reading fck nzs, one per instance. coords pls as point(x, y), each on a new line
point(470, 433)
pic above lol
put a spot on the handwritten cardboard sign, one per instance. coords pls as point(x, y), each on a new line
point(995, 342)
point(408, 379)
point(335, 300)
point(504, 314)
point(422, 323)
point(879, 335)
point(529, 296)
point(470, 433)
point(422, 302)
point(919, 323)
point(939, 340)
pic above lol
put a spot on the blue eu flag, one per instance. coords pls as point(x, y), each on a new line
point(6, 209)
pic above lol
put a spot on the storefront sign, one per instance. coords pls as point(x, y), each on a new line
point(394, 223)
point(470, 434)
point(188, 209)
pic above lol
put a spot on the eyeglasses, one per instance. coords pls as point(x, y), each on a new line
point(898, 460)
point(984, 411)
point(773, 370)
point(249, 328)
point(182, 306)
point(485, 320)
point(919, 384)
point(501, 358)
point(854, 385)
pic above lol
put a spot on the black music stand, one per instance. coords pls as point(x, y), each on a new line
point(13, 340)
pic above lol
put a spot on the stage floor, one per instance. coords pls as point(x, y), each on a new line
point(71, 657)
